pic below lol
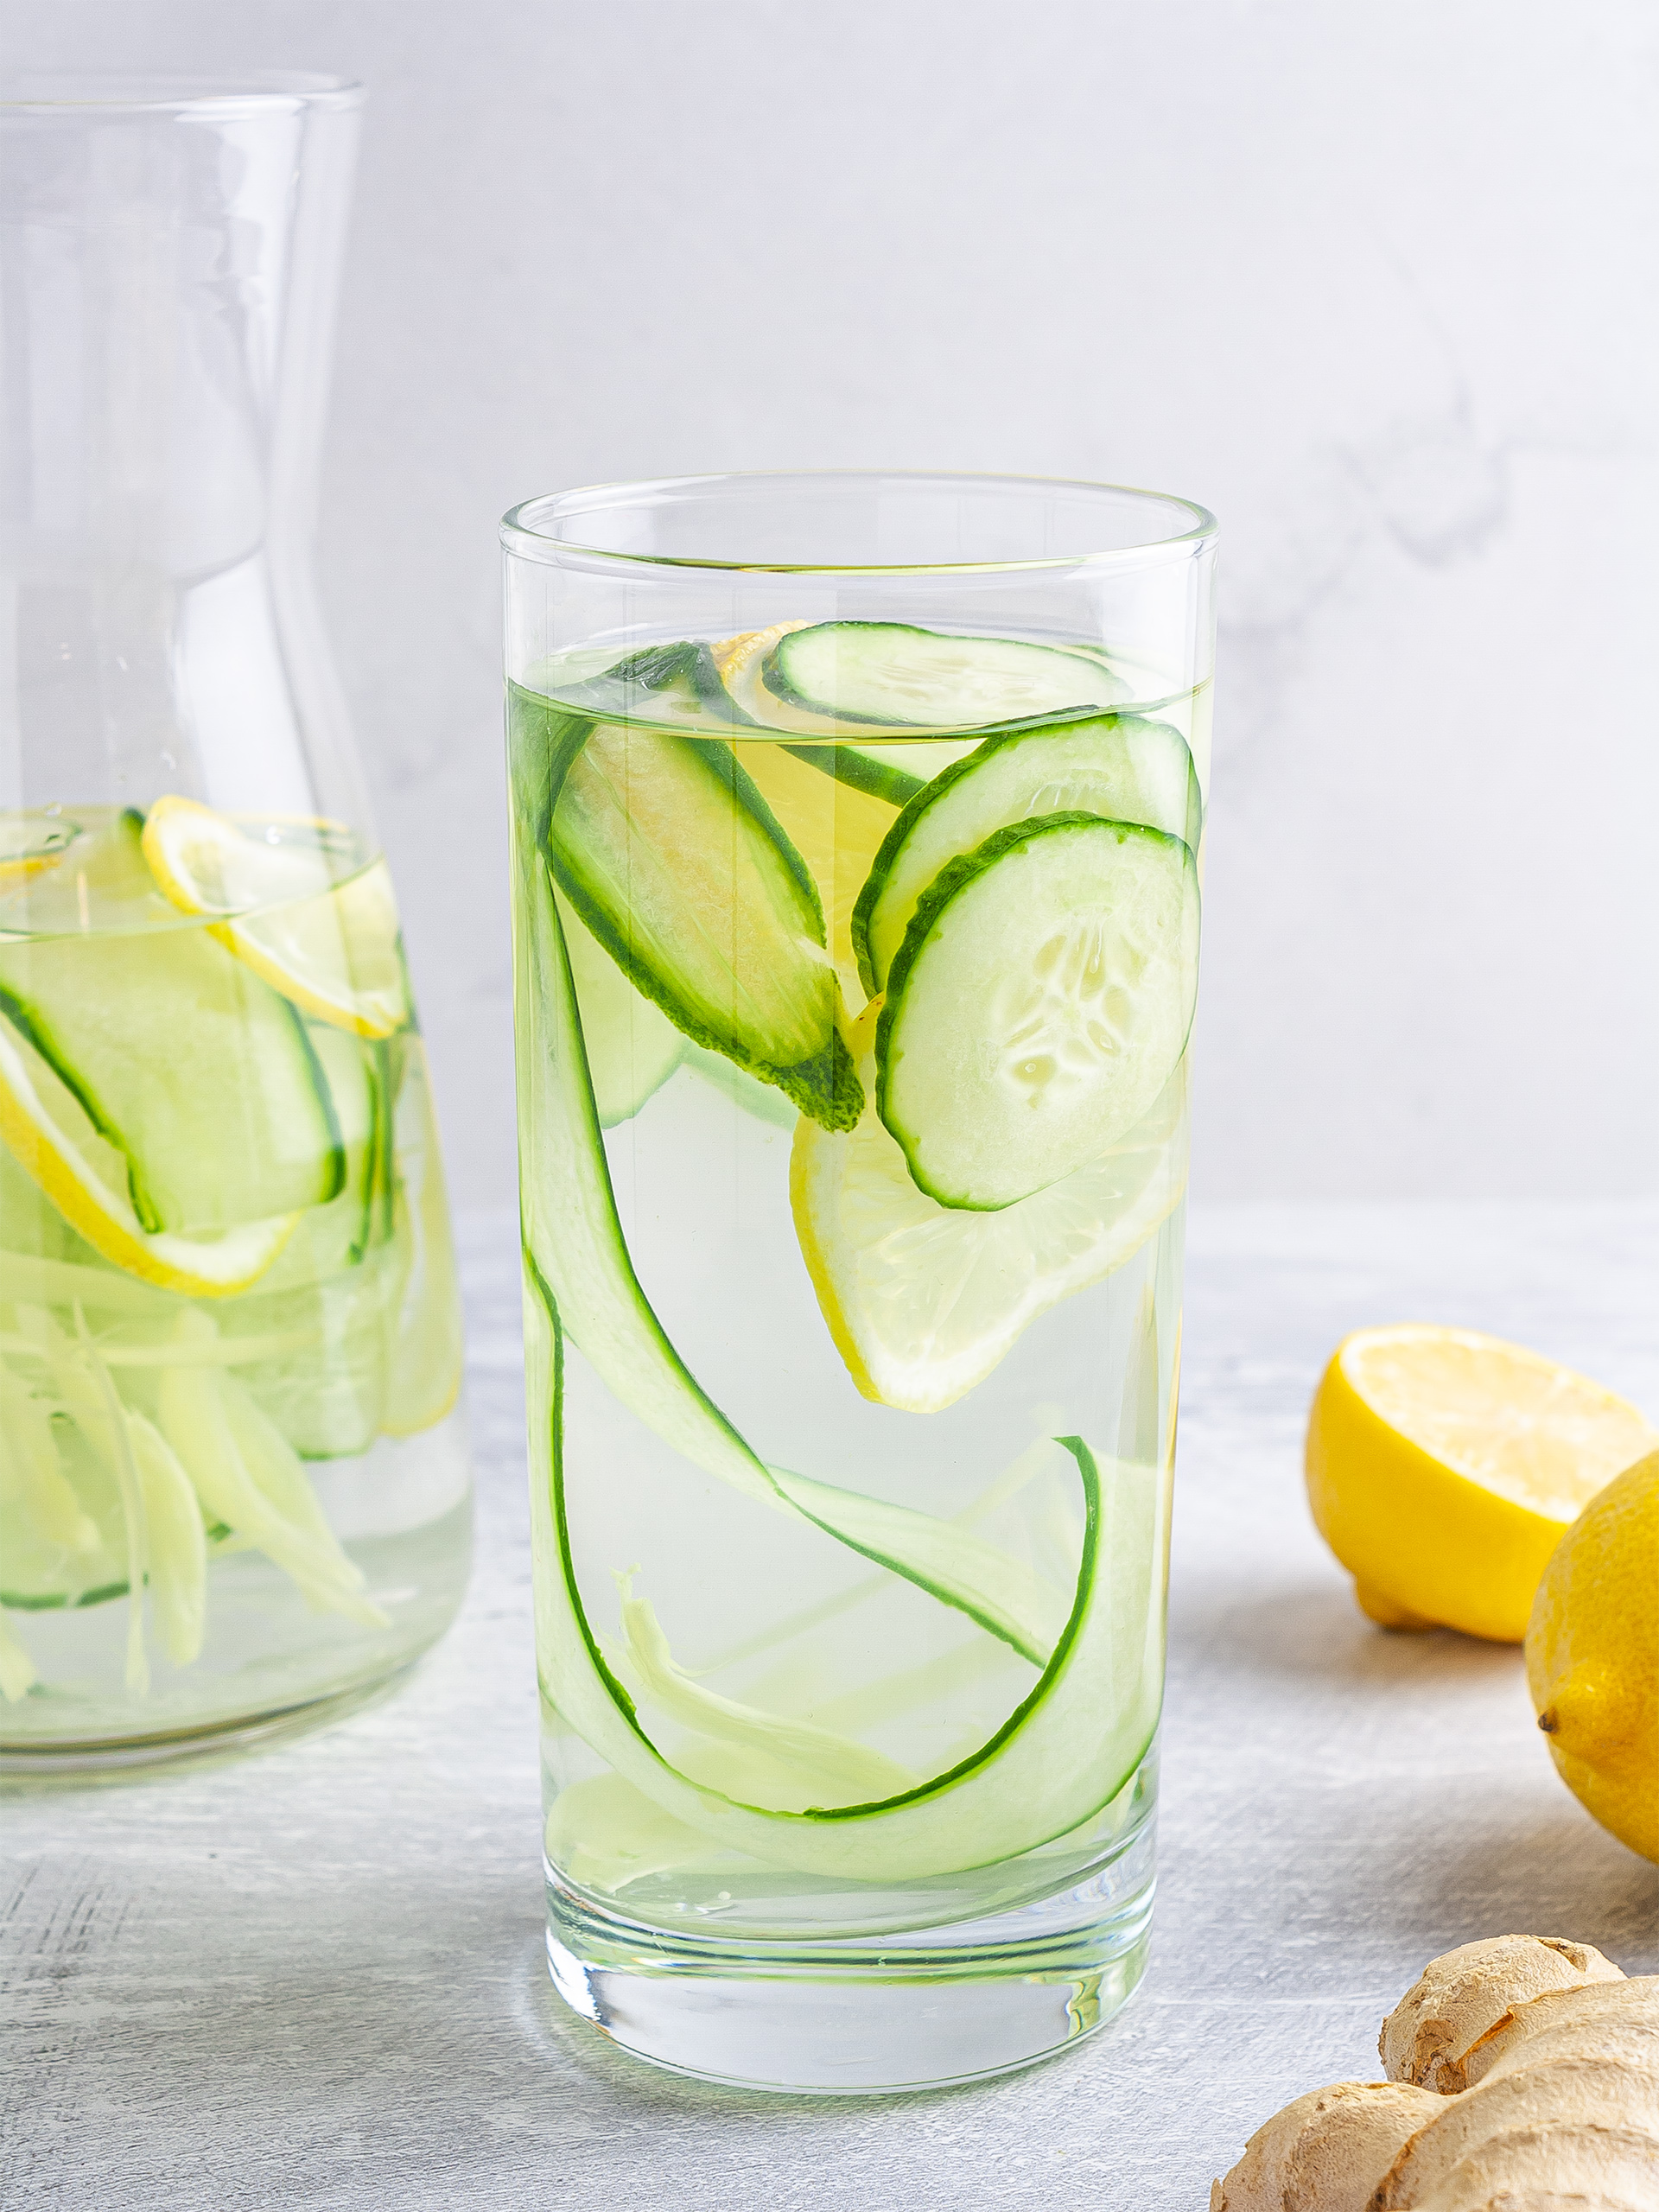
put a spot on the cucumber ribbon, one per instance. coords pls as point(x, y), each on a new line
point(1062, 1753)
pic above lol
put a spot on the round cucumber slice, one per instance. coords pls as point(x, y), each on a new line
point(1037, 1005)
point(898, 675)
point(923, 1301)
point(1119, 766)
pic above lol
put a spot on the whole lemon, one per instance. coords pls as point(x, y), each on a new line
point(1593, 1656)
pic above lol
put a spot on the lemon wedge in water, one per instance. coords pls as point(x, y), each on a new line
point(922, 1300)
point(1443, 1466)
point(328, 941)
point(836, 828)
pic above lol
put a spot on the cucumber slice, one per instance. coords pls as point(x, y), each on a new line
point(198, 1073)
point(72, 1170)
point(632, 1046)
point(98, 869)
point(923, 1301)
point(1059, 1757)
point(329, 1395)
point(884, 771)
point(677, 866)
point(356, 1079)
point(1039, 1004)
point(575, 1242)
point(898, 674)
point(869, 768)
point(429, 1342)
point(667, 684)
point(1117, 765)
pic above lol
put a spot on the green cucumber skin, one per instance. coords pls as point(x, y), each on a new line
point(16, 1601)
point(848, 766)
point(824, 1085)
point(890, 1839)
point(686, 667)
point(26, 1018)
point(584, 1210)
point(569, 1231)
point(536, 1287)
point(956, 874)
point(928, 795)
point(774, 673)
point(28, 1024)
point(774, 676)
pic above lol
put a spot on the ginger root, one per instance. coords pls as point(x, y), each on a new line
point(1323, 2152)
point(1468, 1994)
point(1524, 2077)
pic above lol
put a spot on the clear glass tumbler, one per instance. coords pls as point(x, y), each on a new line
point(857, 830)
point(234, 1481)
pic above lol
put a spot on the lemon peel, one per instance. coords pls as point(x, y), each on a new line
point(49, 1135)
point(329, 945)
point(922, 1300)
point(1593, 1657)
point(1443, 1466)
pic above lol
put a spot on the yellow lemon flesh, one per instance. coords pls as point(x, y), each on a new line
point(47, 1131)
point(836, 829)
point(326, 938)
point(922, 1300)
point(1593, 1657)
point(1443, 1466)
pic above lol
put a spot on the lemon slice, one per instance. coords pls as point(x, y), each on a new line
point(46, 1128)
point(31, 842)
point(737, 663)
point(836, 828)
point(333, 947)
point(923, 1299)
point(1443, 1466)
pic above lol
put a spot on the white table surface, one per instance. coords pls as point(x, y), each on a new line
point(314, 1977)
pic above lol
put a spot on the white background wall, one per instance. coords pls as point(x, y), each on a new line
point(1375, 282)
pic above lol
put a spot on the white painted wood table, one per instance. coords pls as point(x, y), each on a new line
point(314, 1977)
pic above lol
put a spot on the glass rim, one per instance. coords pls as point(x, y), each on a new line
point(518, 532)
point(117, 91)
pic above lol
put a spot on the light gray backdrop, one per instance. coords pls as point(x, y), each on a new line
point(1375, 283)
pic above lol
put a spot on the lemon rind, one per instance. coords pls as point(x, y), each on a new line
point(167, 1260)
point(363, 1014)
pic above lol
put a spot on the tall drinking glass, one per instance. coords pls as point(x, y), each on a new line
point(857, 833)
point(233, 1476)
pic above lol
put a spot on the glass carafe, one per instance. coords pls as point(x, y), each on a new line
point(234, 1481)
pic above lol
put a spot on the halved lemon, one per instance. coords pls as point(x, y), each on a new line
point(49, 1134)
point(1443, 1466)
point(922, 1300)
point(331, 944)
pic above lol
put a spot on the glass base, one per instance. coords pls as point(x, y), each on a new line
point(80, 1760)
point(904, 2011)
